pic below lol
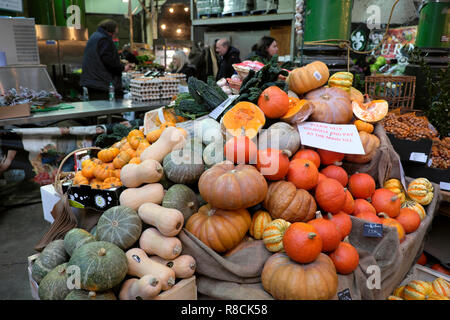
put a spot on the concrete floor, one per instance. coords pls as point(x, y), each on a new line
point(21, 228)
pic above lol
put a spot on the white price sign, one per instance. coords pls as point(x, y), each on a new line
point(343, 138)
point(418, 157)
point(221, 108)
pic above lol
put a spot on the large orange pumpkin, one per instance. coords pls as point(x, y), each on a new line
point(349, 205)
point(274, 102)
point(369, 216)
point(362, 205)
point(342, 221)
point(241, 150)
point(330, 195)
point(303, 174)
point(231, 187)
point(331, 105)
point(273, 163)
point(384, 200)
point(361, 185)
point(336, 172)
point(302, 242)
point(309, 77)
point(221, 230)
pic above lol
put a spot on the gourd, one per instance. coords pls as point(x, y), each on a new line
point(54, 285)
point(110, 183)
point(208, 131)
point(361, 185)
point(302, 242)
point(119, 225)
point(309, 77)
point(409, 219)
point(213, 154)
point(168, 221)
point(139, 265)
point(135, 197)
point(336, 172)
point(394, 298)
point(273, 163)
point(330, 157)
point(342, 80)
point(240, 150)
point(184, 266)
point(285, 201)
point(273, 234)
point(393, 223)
point(286, 279)
point(370, 143)
point(90, 295)
point(219, 229)
point(417, 290)
point(398, 292)
point(75, 238)
point(370, 111)
point(154, 242)
point(182, 198)
point(281, 136)
point(421, 191)
point(245, 118)
point(121, 159)
point(303, 174)
point(396, 187)
point(441, 287)
point(134, 175)
point(328, 231)
point(102, 265)
point(355, 94)
point(171, 139)
point(298, 112)
point(363, 126)
point(183, 166)
point(87, 169)
point(345, 258)
point(349, 204)
point(53, 255)
point(230, 187)
point(79, 179)
point(145, 288)
point(308, 154)
point(260, 220)
point(384, 200)
point(274, 102)
point(416, 207)
point(102, 172)
point(331, 105)
point(107, 155)
point(330, 195)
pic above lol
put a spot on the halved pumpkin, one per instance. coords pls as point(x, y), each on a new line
point(371, 111)
point(299, 111)
point(244, 118)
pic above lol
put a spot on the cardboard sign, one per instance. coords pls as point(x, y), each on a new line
point(343, 138)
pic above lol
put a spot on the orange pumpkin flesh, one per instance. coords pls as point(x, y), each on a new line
point(384, 200)
point(337, 173)
point(302, 242)
point(303, 174)
point(409, 219)
point(329, 232)
point(274, 102)
point(345, 258)
point(298, 112)
point(309, 155)
point(372, 111)
point(330, 195)
point(244, 118)
point(361, 185)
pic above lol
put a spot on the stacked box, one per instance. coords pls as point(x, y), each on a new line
point(235, 6)
point(203, 7)
point(216, 6)
point(150, 89)
point(265, 5)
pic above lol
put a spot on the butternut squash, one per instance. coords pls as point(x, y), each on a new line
point(145, 288)
point(154, 242)
point(168, 221)
point(139, 265)
point(134, 175)
point(135, 197)
point(184, 265)
point(171, 139)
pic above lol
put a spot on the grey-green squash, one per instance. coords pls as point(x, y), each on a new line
point(103, 265)
point(94, 231)
point(195, 145)
point(281, 136)
point(120, 225)
point(213, 154)
point(91, 295)
point(166, 183)
point(182, 198)
point(53, 255)
point(75, 238)
point(183, 166)
point(208, 130)
point(201, 201)
point(54, 285)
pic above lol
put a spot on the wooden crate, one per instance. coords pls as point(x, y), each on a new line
point(423, 273)
point(17, 111)
point(185, 289)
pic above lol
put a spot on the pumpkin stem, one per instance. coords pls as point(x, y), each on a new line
point(171, 281)
point(394, 198)
point(92, 294)
point(192, 265)
point(178, 226)
point(266, 96)
point(383, 214)
point(102, 252)
point(338, 163)
point(169, 264)
point(191, 204)
point(153, 282)
point(287, 153)
point(211, 212)
point(177, 250)
point(319, 215)
point(311, 235)
point(330, 215)
point(346, 239)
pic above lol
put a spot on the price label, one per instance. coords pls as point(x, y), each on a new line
point(373, 230)
point(444, 186)
point(344, 295)
point(221, 108)
point(418, 157)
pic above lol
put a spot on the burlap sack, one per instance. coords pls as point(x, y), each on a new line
point(237, 277)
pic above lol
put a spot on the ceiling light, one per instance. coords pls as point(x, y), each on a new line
point(163, 26)
point(171, 10)
point(178, 30)
point(186, 9)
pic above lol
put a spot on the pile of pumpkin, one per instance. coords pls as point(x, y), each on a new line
point(438, 289)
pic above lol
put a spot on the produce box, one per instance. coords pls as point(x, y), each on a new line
point(185, 289)
point(414, 151)
point(17, 111)
point(418, 170)
point(423, 273)
point(84, 196)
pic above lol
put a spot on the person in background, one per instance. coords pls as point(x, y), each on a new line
point(180, 64)
point(204, 58)
point(228, 56)
point(264, 50)
point(128, 55)
point(101, 63)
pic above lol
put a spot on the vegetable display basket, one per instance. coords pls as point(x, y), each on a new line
point(398, 91)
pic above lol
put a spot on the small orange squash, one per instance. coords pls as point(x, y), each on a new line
point(309, 77)
point(80, 179)
point(112, 182)
point(102, 172)
point(154, 135)
point(363, 126)
point(274, 102)
point(108, 155)
point(121, 160)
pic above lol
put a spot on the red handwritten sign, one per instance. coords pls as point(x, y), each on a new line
point(343, 138)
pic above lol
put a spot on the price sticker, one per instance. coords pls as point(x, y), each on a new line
point(444, 186)
point(344, 295)
point(221, 108)
point(418, 157)
point(373, 230)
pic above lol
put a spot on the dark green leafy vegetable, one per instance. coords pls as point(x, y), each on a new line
point(190, 109)
point(204, 94)
point(213, 84)
point(119, 131)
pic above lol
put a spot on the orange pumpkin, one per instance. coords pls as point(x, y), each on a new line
point(393, 223)
point(309, 77)
point(342, 221)
point(273, 163)
point(362, 205)
point(112, 182)
point(345, 258)
point(330, 195)
point(96, 184)
point(167, 124)
point(107, 155)
point(303, 174)
point(121, 160)
point(241, 150)
point(131, 152)
point(361, 185)
point(337, 173)
point(154, 135)
point(409, 219)
point(144, 144)
point(88, 169)
point(135, 141)
point(117, 173)
point(302, 242)
point(349, 205)
point(102, 172)
point(329, 232)
point(135, 160)
point(135, 133)
point(330, 157)
point(331, 105)
point(274, 102)
point(244, 118)
point(369, 216)
point(80, 179)
point(309, 155)
point(384, 200)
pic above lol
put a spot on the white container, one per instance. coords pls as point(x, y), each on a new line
point(49, 198)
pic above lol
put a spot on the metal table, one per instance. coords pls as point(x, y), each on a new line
point(86, 109)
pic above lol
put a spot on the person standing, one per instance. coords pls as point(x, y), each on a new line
point(180, 64)
point(228, 56)
point(101, 63)
point(264, 50)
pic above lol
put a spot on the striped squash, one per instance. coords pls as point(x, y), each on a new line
point(273, 234)
point(342, 80)
point(394, 298)
point(396, 187)
point(260, 221)
point(441, 287)
point(119, 225)
point(417, 290)
point(398, 292)
point(416, 207)
point(437, 297)
point(421, 191)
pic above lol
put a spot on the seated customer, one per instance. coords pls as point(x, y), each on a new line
point(264, 50)
point(180, 64)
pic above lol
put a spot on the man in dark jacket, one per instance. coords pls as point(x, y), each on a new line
point(101, 63)
point(228, 56)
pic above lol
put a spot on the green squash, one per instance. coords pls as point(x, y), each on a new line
point(208, 130)
point(213, 154)
point(166, 183)
point(119, 225)
point(182, 198)
point(183, 166)
point(53, 255)
point(75, 238)
point(102, 264)
point(54, 285)
point(94, 231)
point(91, 295)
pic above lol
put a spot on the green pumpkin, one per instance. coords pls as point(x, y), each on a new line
point(102, 264)
point(94, 231)
point(54, 285)
point(213, 154)
point(183, 166)
point(166, 183)
point(75, 238)
point(182, 198)
point(53, 255)
point(90, 295)
point(119, 225)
